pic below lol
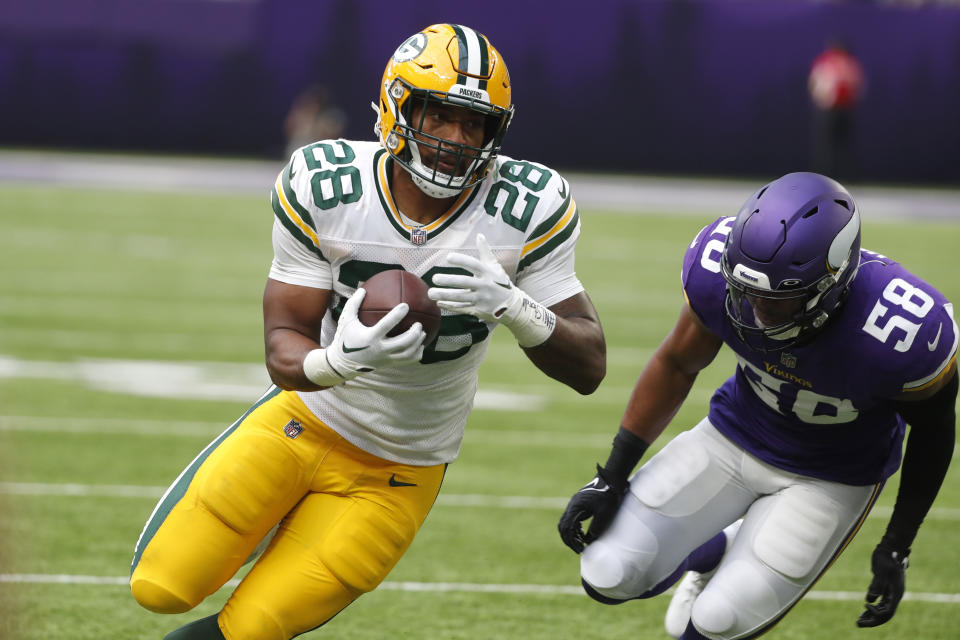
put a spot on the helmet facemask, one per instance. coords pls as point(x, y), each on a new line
point(811, 307)
point(421, 153)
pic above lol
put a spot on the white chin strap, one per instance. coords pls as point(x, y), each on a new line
point(786, 334)
point(419, 172)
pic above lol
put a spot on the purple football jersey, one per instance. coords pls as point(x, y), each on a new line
point(822, 408)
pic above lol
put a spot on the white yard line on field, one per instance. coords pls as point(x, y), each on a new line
point(446, 587)
point(443, 500)
point(198, 380)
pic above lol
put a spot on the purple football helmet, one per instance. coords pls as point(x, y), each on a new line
point(789, 260)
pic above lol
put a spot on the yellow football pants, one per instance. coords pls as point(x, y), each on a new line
point(346, 517)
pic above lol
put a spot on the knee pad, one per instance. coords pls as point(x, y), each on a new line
point(615, 566)
point(157, 598)
point(736, 600)
point(248, 482)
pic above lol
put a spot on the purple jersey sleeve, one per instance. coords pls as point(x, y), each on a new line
point(911, 322)
point(701, 261)
point(822, 408)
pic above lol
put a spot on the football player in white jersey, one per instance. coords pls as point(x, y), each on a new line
point(344, 456)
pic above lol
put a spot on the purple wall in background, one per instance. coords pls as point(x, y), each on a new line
point(663, 86)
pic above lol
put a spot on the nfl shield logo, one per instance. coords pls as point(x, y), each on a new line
point(788, 360)
point(293, 429)
point(418, 235)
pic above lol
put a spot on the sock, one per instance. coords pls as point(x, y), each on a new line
point(704, 558)
point(203, 629)
point(707, 556)
point(691, 633)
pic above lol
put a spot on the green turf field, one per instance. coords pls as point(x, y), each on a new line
point(95, 282)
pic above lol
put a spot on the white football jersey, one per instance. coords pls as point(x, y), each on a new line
point(336, 225)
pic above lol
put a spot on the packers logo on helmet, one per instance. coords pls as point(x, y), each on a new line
point(451, 65)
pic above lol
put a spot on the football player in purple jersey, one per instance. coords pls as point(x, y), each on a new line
point(838, 349)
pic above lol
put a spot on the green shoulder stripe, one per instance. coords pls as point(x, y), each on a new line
point(551, 220)
point(291, 195)
point(292, 227)
point(551, 244)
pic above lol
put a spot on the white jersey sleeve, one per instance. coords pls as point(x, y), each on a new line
point(293, 264)
point(546, 268)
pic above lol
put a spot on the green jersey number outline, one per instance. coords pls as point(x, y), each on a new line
point(333, 179)
point(532, 177)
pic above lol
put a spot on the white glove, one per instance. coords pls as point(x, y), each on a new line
point(357, 348)
point(489, 295)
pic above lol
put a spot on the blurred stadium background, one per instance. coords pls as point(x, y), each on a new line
point(139, 139)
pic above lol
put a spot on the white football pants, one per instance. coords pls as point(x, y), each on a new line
point(793, 528)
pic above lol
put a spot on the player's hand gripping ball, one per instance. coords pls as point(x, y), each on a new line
point(387, 289)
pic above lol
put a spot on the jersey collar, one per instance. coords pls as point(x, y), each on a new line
point(382, 166)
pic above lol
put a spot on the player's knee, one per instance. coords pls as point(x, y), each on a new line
point(610, 574)
point(158, 598)
point(714, 613)
point(259, 476)
point(738, 599)
point(252, 623)
point(619, 569)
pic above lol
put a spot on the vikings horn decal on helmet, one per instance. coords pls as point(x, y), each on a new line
point(446, 64)
point(794, 243)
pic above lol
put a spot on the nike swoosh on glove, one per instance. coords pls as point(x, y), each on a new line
point(357, 348)
point(598, 499)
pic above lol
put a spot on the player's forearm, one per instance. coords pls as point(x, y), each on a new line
point(925, 465)
point(285, 353)
point(925, 462)
point(657, 396)
point(575, 354)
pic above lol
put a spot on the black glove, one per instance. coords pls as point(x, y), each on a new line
point(889, 568)
point(599, 499)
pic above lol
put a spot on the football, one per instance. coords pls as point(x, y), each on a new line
point(387, 289)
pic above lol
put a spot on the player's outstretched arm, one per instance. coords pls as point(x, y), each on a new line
point(657, 396)
point(292, 318)
point(931, 415)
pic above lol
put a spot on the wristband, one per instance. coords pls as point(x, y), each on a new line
point(317, 368)
point(530, 322)
point(626, 453)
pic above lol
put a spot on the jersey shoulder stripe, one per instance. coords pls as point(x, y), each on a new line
point(548, 225)
point(291, 213)
point(945, 365)
point(557, 235)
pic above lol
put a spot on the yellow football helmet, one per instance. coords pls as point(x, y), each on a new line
point(448, 64)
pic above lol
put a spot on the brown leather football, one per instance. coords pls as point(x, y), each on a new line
point(387, 289)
